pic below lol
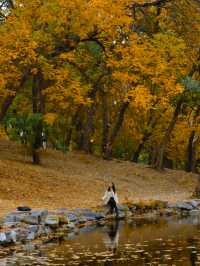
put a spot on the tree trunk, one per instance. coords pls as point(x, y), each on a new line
point(35, 157)
point(89, 128)
point(71, 127)
point(36, 107)
point(159, 163)
point(197, 188)
point(191, 153)
point(79, 132)
point(117, 127)
point(191, 149)
point(138, 151)
point(105, 124)
point(7, 103)
point(90, 113)
point(9, 100)
point(152, 121)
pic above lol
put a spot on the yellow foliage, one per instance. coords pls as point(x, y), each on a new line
point(3, 134)
point(50, 118)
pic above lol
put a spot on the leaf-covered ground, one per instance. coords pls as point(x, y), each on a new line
point(79, 180)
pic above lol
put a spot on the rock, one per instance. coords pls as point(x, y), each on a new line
point(79, 211)
point(133, 208)
point(35, 217)
point(92, 216)
point(41, 230)
point(33, 228)
point(13, 236)
point(47, 230)
point(29, 219)
point(123, 208)
point(171, 205)
point(69, 226)
point(31, 236)
point(8, 237)
point(129, 214)
point(184, 206)
point(63, 219)
point(99, 216)
point(62, 211)
point(121, 215)
point(11, 224)
point(2, 238)
point(52, 220)
point(24, 209)
point(72, 217)
point(82, 220)
point(22, 234)
point(194, 203)
point(13, 217)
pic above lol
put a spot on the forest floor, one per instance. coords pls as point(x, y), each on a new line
point(79, 180)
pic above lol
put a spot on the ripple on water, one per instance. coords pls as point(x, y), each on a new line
point(170, 244)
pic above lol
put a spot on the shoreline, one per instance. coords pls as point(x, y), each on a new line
point(43, 225)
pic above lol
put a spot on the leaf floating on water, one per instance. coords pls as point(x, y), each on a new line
point(75, 257)
point(157, 252)
point(179, 249)
point(139, 251)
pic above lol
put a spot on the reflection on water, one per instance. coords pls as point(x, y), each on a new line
point(111, 239)
point(135, 242)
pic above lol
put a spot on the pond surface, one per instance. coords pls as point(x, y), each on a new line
point(169, 241)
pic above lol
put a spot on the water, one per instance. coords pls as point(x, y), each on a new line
point(141, 242)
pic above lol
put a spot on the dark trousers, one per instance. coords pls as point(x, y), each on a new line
point(112, 206)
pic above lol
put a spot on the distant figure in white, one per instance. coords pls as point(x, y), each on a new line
point(110, 199)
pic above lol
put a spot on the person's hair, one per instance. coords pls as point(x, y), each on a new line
point(109, 188)
point(113, 187)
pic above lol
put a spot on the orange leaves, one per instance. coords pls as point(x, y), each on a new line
point(50, 118)
point(141, 98)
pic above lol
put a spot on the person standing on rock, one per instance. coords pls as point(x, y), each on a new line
point(111, 200)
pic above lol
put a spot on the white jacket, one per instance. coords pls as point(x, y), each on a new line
point(108, 195)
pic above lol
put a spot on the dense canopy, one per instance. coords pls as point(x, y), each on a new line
point(112, 78)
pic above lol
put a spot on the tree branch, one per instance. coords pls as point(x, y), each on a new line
point(150, 4)
point(10, 98)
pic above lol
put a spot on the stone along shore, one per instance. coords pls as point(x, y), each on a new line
point(19, 227)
